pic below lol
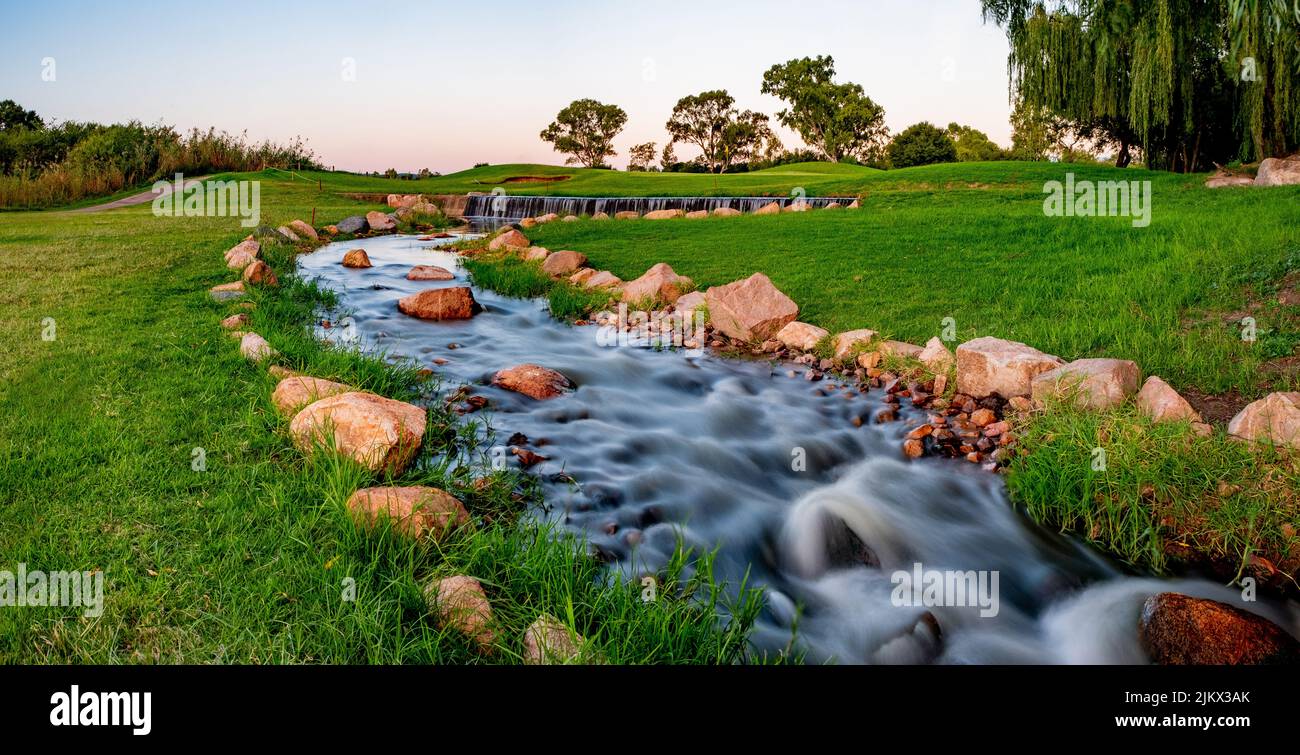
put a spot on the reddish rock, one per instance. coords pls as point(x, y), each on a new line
point(293, 393)
point(900, 349)
point(548, 217)
point(1178, 629)
point(1278, 171)
point(451, 303)
point(260, 274)
point(801, 336)
point(511, 238)
point(304, 230)
point(771, 208)
point(846, 341)
point(986, 366)
point(417, 512)
point(726, 212)
point(697, 215)
point(536, 253)
point(1163, 404)
point(377, 432)
point(254, 348)
point(581, 276)
point(1094, 383)
point(935, 356)
point(356, 258)
point(379, 222)
point(429, 273)
point(660, 283)
point(549, 642)
point(982, 417)
point(688, 303)
point(750, 310)
point(563, 263)
point(1273, 419)
point(533, 381)
point(663, 214)
point(235, 321)
point(459, 603)
point(602, 279)
point(913, 448)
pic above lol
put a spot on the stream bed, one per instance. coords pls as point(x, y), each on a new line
point(840, 531)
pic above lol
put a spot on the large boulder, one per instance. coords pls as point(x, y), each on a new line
point(356, 258)
point(1094, 383)
point(451, 303)
point(1164, 404)
point(304, 230)
point(460, 604)
point(988, 365)
point(846, 341)
point(664, 214)
point(533, 380)
point(1273, 419)
point(548, 642)
point(563, 263)
point(376, 432)
point(935, 356)
point(254, 348)
point(771, 208)
point(1279, 171)
point(726, 212)
point(293, 393)
point(900, 349)
point(1221, 180)
point(429, 273)
point(536, 254)
point(697, 214)
point(688, 303)
point(243, 254)
point(511, 238)
point(602, 279)
point(750, 310)
point(379, 222)
point(353, 224)
point(659, 283)
point(260, 274)
point(582, 275)
point(801, 336)
point(1177, 629)
point(415, 511)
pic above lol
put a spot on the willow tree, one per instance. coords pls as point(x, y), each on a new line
point(1189, 82)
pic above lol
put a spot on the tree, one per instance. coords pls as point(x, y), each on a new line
point(640, 157)
point(390, 173)
point(973, 145)
point(13, 116)
point(838, 120)
point(668, 158)
point(710, 121)
point(1171, 79)
point(585, 131)
point(921, 144)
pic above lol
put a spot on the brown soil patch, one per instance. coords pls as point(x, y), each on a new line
point(1216, 408)
point(534, 179)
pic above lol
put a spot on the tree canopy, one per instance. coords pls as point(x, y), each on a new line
point(710, 121)
point(585, 131)
point(838, 120)
point(921, 144)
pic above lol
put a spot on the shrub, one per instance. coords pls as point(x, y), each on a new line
point(921, 144)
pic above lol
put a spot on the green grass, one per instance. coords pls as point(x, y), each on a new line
point(245, 561)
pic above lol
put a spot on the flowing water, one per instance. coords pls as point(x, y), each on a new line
point(664, 444)
point(483, 207)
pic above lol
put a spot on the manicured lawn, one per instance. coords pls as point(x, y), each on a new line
point(245, 560)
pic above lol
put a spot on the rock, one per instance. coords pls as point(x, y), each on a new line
point(1177, 629)
point(548, 642)
point(450, 303)
point(429, 273)
point(227, 291)
point(627, 215)
point(293, 393)
point(255, 348)
point(697, 215)
point(900, 349)
point(868, 359)
point(982, 417)
point(353, 224)
point(459, 603)
point(356, 258)
point(533, 380)
point(288, 234)
point(304, 229)
point(833, 206)
point(659, 284)
point(249, 247)
point(771, 208)
point(379, 222)
point(582, 275)
point(260, 274)
point(801, 335)
point(548, 217)
point(1278, 171)
point(563, 263)
point(750, 310)
point(988, 365)
point(426, 209)
point(664, 214)
point(1095, 383)
point(569, 219)
point(799, 206)
point(416, 511)
point(846, 341)
point(378, 433)
point(688, 303)
point(913, 448)
point(726, 212)
point(528, 223)
point(1163, 404)
point(600, 216)
point(603, 279)
point(853, 205)
point(235, 321)
point(511, 238)
point(1221, 180)
point(935, 356)
point(1273, 419)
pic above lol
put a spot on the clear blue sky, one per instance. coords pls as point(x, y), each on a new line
point(443, 85)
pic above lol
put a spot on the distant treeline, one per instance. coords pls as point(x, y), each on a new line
point(46, 165)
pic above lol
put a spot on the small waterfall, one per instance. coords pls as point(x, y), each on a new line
point(504, 207)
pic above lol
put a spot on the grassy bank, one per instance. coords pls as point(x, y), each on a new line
point(248, 557)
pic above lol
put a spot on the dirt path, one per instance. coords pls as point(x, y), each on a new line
point(143, 197)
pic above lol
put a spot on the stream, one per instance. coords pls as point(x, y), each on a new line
point(838, 529)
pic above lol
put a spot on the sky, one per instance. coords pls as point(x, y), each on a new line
point(445, 85)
